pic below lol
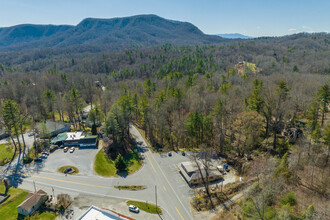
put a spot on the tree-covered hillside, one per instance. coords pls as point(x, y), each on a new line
point(263, 104)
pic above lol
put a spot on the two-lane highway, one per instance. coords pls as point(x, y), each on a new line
point(173, 200)
point(167, 192)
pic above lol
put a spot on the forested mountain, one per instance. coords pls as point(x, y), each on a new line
point(135, 31)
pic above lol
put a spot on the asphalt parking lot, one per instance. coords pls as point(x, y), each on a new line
point(81, 158)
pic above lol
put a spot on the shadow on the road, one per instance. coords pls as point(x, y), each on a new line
point(16, 172)
point(143, 149)
point(160, 216)
point(15, 179)
point(123, 174)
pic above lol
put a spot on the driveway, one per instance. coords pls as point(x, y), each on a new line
point(83, 159)
point(29, 140)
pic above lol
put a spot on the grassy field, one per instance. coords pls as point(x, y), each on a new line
point(61, 169)
point(145, 207)
point(131, 187)
point(6, 153)
point(104, 166)
point(8, 209)
point(43, 216)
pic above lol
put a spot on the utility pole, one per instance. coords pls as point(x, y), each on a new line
point(53, 193)
point(156, 198)
point(34, 184)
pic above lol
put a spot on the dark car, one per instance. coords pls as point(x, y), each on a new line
point(183, 153)
point(169, 154)
point(38, 159)
point(67, 170)
point(46, 153)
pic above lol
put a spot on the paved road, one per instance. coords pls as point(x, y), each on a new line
point(158, 170)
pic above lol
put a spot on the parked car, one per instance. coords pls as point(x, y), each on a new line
point(133, 208)
point(31, 134)
point(68, 169)
point(183, 153)
point(65, 149)
point(169, 154)
point(38, 159)
point(43, 156)
point(46, 153)
point(72, 149)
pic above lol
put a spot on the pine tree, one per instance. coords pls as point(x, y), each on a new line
point(120, 163)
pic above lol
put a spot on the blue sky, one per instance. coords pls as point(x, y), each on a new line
point(249, 17)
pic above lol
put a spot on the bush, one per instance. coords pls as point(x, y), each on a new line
point(120, 163)
point(289, 198)
point(27, 160)
point(283, 168)
point(63, 201)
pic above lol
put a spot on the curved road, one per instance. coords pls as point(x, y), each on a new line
point(172, 192)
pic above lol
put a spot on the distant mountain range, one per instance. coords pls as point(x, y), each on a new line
point(234, 36)
point(140, 30)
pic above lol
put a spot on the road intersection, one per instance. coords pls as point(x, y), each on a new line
point(173, 193)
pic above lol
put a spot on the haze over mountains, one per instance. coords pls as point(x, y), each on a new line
point(234, 36)
point(140, 30)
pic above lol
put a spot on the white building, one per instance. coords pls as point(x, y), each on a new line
point(95, 213)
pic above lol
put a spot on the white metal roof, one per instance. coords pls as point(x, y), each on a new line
point(95, 213)
point(74, 135)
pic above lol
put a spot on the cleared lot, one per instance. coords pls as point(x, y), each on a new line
point(82, 159)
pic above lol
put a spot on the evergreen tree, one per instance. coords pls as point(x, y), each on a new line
point(120, 163)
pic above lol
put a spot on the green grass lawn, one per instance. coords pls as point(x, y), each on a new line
point(8, 209)
point(104, 166)
point(61, 169)
point(151, 208)
point(6, 153)
point(43, 216)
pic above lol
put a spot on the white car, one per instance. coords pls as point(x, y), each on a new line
point(133, 208)
point(65, 149)
point(72, 149)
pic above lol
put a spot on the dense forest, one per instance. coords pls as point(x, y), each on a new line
point(263, 99)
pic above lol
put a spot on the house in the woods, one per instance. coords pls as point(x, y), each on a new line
point(32, 202)
point(54, 127)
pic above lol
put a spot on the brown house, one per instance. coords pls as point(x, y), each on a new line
point(32, 202)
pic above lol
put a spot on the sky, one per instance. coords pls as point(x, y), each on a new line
point(249, 17)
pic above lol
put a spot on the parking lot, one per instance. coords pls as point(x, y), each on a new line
point(81, 158)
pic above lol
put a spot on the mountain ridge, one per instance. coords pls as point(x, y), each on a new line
point(146, 30)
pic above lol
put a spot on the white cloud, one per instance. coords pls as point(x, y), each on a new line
point(308, 29)
point(292, 30)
